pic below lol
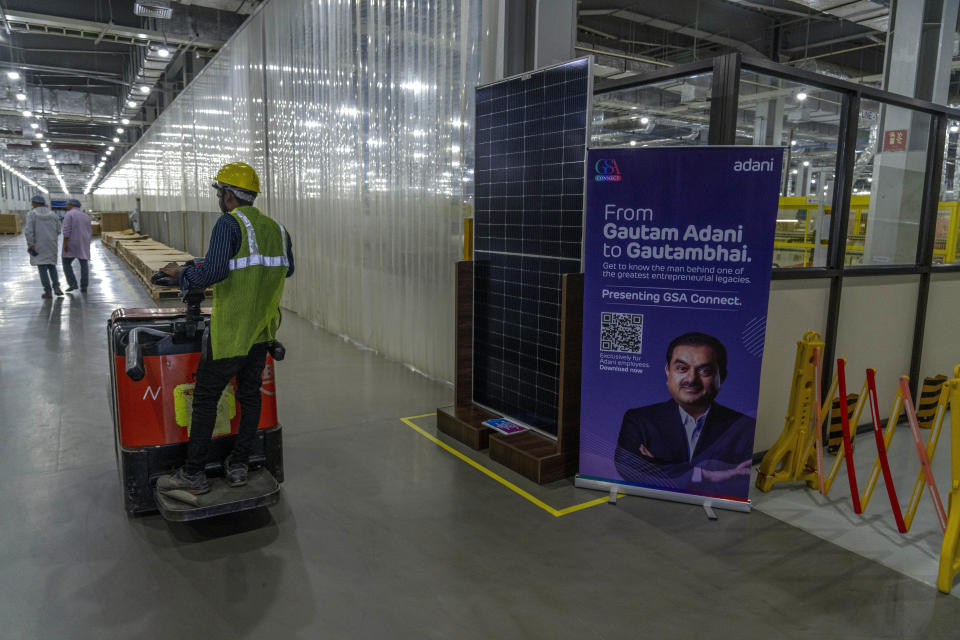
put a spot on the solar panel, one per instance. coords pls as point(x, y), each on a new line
point(528, 231)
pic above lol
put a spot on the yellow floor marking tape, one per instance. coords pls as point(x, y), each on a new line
point(479, 467)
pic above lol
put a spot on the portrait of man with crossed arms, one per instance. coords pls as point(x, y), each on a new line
point(689, 442)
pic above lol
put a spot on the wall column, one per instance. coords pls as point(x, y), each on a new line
point(919, 52)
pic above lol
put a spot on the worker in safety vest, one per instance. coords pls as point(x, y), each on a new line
point(247, 261)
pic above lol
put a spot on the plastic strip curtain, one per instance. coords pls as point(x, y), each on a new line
point(358, 116)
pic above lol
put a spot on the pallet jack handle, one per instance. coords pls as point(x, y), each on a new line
point(134, 353)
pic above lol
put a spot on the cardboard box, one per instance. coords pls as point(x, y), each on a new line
point(10, 223)
point(114, 221)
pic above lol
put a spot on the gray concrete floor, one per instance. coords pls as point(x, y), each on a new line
point(380, 533)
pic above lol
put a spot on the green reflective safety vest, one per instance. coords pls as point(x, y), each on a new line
point(246, 306)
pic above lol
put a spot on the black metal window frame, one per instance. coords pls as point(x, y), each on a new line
point(724, 105)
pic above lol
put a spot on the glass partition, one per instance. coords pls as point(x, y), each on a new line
point(888, 173)
point(668, 113)
point(805, 121)
point(945, 243)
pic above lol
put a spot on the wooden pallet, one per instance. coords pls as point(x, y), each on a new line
point(145, 257)
point(158, 292)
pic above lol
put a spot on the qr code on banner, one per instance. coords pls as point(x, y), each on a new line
point(621, 332)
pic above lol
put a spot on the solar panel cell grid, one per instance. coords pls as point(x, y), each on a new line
point(530, 146)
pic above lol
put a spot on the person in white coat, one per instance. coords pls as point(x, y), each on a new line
point(42, 232)
point(134, 217)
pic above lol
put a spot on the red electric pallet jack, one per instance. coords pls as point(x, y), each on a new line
point(153, 362)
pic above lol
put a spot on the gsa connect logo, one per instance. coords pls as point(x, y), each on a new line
point(607, 171)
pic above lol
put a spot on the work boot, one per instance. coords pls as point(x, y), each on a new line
point(195, 483)
point(234, 472)
point(71, 288)
point(46, 294)
point(58, 291)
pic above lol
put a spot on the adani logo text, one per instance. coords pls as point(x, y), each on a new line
point(607, 171)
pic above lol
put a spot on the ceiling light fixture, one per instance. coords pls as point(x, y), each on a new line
point(13, 75)
point(21, 97)
point(954, 128)
point(34, 125)
point(27, 114)
point(115, 139)
point(144, 89)
point(119, 129)
point(131, 104)
point(801, 96)
point(125, 120)
point(163, 52)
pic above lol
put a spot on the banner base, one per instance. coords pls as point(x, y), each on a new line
point(707, 502)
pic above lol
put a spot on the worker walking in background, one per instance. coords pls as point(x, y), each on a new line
point(41, 232)
point(77, 232)
point(134, 217)
point(247, 260)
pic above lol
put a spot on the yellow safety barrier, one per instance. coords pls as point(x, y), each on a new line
point(887, 437)
point(925, 477)
point(792, 457)
point(854, 415)
point(935, 384)
point(949, 563)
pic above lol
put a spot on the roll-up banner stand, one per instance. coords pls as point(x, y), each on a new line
point(677, 260)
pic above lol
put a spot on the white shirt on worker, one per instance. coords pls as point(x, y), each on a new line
point(693, 428)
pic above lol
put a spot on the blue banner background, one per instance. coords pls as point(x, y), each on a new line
point(679, 187)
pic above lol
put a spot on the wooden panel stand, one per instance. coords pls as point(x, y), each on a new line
point(463, 420)
point(535, 456)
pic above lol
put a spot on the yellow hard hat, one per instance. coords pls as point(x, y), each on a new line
point(239, 174)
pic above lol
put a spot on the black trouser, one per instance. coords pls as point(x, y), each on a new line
point(212, 377)
point(71, 276)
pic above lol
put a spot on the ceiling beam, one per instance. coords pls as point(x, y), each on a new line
point(63, 140)
point(26, 22)
point(73, 117)
point(103, 76)
point(666, 25)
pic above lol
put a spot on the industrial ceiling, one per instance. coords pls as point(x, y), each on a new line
point(93, 74)
point(79, 81)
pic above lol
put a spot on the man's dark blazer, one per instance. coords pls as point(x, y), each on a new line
point(725, 441)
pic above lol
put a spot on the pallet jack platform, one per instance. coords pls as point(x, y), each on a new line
point(261, 490)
